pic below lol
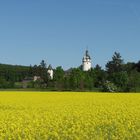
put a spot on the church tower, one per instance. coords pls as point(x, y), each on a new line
point(86, 62)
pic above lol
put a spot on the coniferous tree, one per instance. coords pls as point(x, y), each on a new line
point(116, 64)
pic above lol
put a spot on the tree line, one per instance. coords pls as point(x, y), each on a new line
point(116, 77)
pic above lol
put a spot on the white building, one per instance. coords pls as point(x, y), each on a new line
point(50, 72)
point(36, 78)
point(86, 62)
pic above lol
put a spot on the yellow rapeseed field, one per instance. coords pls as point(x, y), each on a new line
point(69, 116)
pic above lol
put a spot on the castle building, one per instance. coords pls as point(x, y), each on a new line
point(50, 72)
point(86, 63)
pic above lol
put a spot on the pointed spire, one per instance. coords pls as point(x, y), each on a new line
point(87, 53)
point(87, 56)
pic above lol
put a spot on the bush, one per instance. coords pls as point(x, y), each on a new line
point(109, 87)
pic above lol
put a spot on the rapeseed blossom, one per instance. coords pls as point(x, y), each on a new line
point(71, 116)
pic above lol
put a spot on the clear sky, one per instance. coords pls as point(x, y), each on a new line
point(59, 31)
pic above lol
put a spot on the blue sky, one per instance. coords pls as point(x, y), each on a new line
point(58, 31)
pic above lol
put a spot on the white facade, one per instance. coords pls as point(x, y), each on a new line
point(86, 62)
point(50, 72)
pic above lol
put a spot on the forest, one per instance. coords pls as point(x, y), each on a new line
point(116, 77)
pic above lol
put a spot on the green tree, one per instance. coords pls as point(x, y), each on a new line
point(116, 73)
point(43, 72)
point(77, 79)
point(99, 76)
point(116, 64)
point(138, 66)
point(134, 81)
point(59, 77)
point(66, 83)
point(120, 79)
point(88, 80)
point(129, 67)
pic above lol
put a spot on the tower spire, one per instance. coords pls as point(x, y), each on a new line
point(86, 51)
